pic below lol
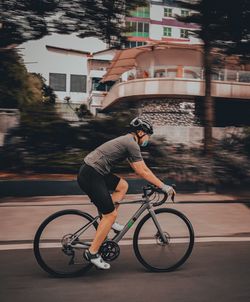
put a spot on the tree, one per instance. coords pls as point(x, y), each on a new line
point(25, 20)
point(237, 42)
point(17, 87)
point(48, 94)
point(218, 29)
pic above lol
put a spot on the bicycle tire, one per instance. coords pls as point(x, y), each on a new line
point(37, 242)
point(183, 258)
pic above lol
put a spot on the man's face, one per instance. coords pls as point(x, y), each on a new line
point(144, 138)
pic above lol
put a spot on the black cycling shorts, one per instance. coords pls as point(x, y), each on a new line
point(97, 187)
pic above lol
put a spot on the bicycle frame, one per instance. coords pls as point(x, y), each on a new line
point(146, 205)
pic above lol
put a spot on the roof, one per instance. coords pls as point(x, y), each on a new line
point(125, 59)
point(49, 47)
point(104, 50)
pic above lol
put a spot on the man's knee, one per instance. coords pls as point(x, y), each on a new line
point(122, 186)
point(111, 216)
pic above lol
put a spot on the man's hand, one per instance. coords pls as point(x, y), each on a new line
point(169, 190)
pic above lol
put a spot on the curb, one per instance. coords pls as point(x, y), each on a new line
point(28, 188)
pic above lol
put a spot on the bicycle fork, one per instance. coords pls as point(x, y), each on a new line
point(158, 226)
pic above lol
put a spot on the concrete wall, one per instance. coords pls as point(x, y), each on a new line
point(151, 87)
point(9, 118)
point(191, 135)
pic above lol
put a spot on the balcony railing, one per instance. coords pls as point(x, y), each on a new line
point(188, 72)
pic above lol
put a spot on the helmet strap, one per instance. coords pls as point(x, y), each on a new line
point(139, 137)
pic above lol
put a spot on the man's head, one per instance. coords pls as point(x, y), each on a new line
point(143, 130)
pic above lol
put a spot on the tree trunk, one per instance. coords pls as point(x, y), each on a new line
point(208, 102)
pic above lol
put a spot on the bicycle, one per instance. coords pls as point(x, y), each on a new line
point(163, 239)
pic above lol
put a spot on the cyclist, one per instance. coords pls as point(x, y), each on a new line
point(96, 180)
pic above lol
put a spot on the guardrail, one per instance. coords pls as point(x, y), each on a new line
point(188, 72)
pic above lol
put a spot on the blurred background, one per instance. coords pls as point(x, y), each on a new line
point(72, 76)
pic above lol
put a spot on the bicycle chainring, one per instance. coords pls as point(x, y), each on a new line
point(109, 250)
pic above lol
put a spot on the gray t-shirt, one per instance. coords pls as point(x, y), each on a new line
point(103, 158)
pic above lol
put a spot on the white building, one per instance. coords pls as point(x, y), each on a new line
point(63, 61)
point(66, 72)
point(74, 71)
point(98, 63)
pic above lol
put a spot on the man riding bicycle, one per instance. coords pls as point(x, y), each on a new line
point(96, 180)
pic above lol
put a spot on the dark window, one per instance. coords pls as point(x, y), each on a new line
point(133, 26)
point(184, 33)
point(98, 86)
point(57, 81)
point(77, 83)
point(146, 27)
point(140, 27)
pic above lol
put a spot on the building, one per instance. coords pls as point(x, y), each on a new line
point(75, 74)
point(165, 83)
point(98, 63)
point(157, 23)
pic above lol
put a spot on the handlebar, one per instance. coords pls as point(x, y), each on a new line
point(149, 190)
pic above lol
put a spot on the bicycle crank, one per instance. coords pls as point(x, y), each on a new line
point(109, 250)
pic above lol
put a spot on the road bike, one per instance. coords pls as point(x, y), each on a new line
point(163, 239)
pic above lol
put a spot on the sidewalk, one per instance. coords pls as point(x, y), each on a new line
point(212, 215)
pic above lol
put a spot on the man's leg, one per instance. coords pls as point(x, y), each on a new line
point(102, 231)
point(108, 219)
point(120, 191)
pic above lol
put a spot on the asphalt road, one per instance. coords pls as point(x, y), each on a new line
point(218, 272)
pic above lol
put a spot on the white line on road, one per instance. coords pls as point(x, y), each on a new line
point(28, 246)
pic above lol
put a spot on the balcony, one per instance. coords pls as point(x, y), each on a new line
point(178, 81)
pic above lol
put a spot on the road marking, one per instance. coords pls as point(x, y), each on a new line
point(28, 246)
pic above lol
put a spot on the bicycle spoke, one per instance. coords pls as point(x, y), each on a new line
point(57, 248)
point(158, 254)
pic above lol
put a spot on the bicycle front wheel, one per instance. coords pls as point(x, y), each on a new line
point(61, 240)
point(163, 254)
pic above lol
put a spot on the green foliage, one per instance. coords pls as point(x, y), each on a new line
point(223, 24)
point(48, 94)
point(18, 88)
point(25, 20)
point(15, 85)
point(246, 141)
point(44, 142)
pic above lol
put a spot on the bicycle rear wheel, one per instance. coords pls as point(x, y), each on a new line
point(61, 240)
point(151, 250)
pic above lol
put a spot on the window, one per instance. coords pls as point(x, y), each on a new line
point(168, 12)
point(141, 12)
point(140, 43)
point(138, 29)
point(167, 31)
point(133, 26)
point(57, 81)
point(184, 33)
point(77, 83)
point(184, 13)
point(98, 86)
point(132, 44)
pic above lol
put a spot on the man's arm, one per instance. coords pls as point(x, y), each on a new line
point(143, 171)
